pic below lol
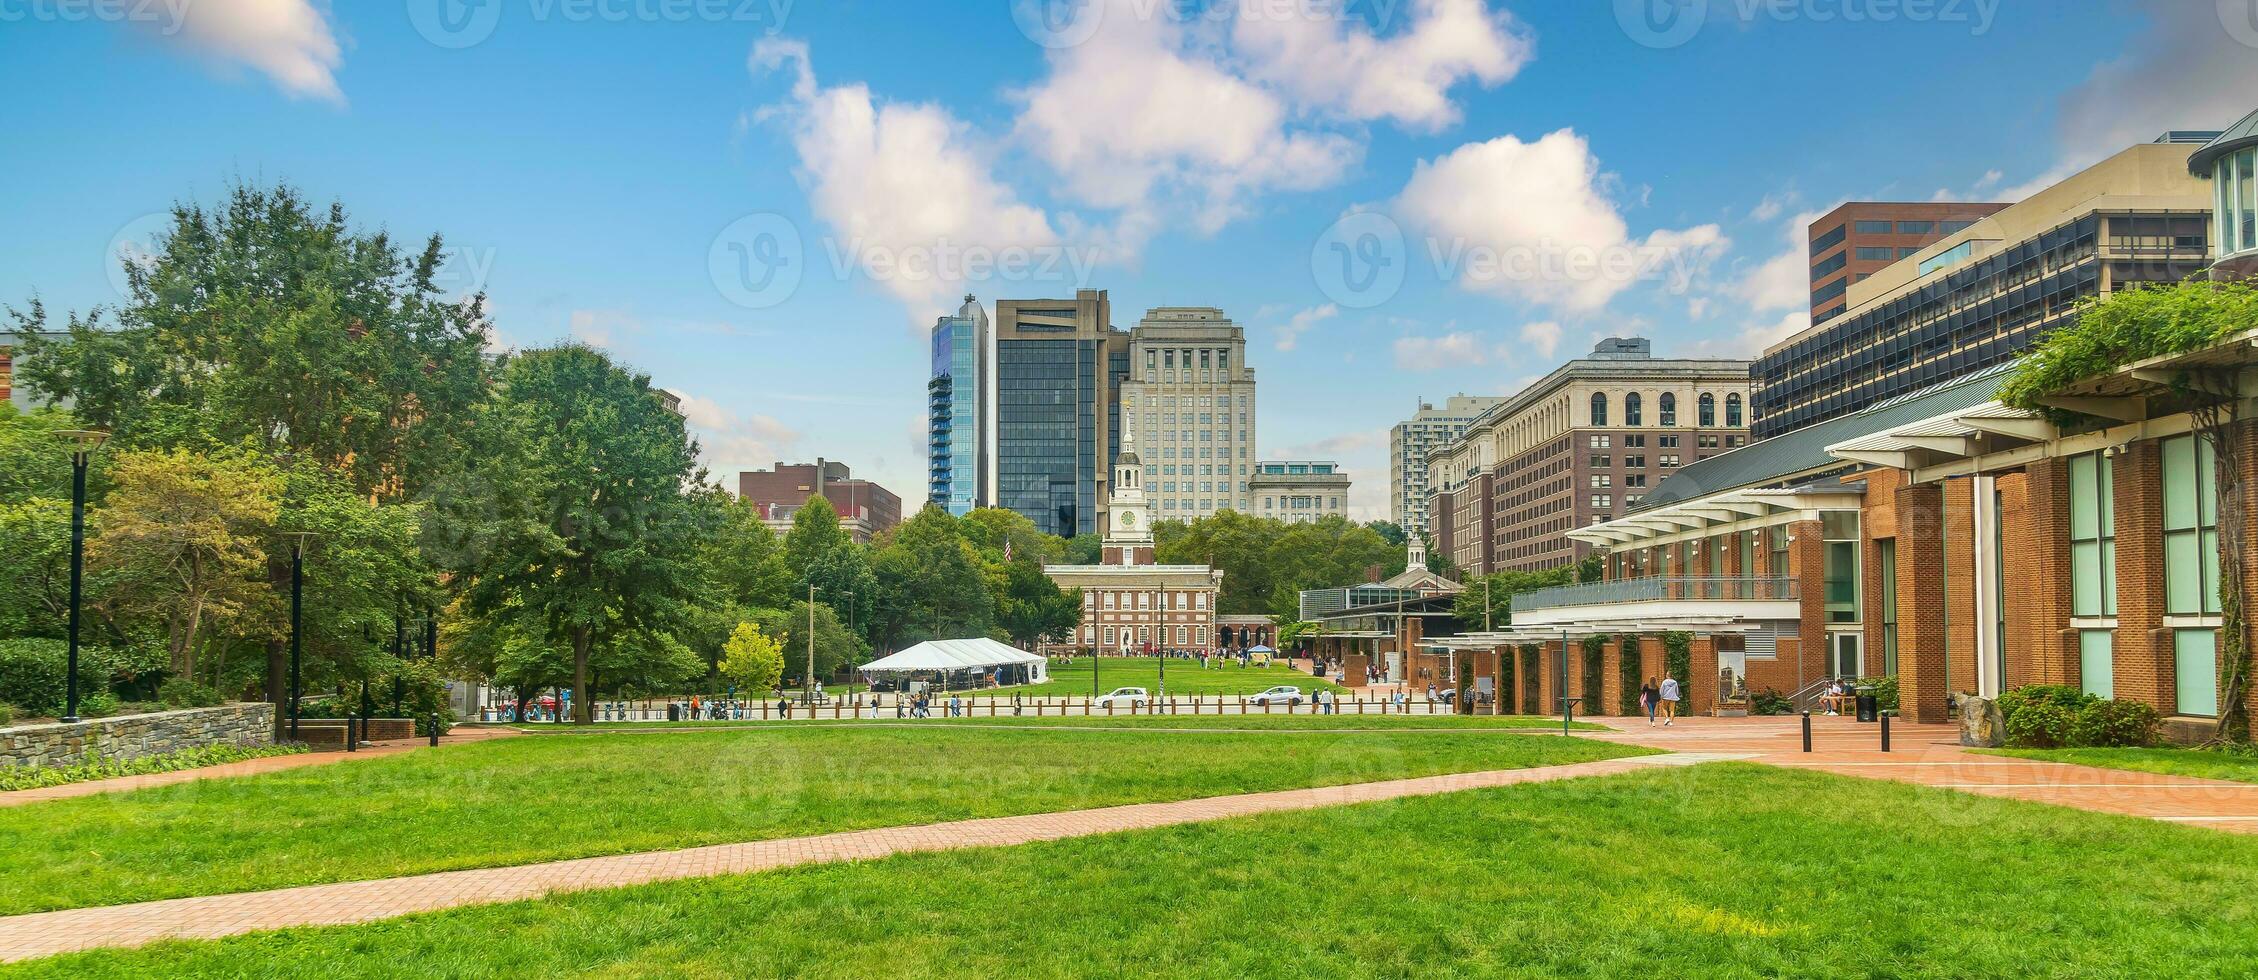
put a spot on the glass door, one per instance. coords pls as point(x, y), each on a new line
point(1846, 654)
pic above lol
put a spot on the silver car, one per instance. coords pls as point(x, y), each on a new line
point(1282, 694)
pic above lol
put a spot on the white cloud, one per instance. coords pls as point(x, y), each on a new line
point(290, 41)
point(1331, 63)
point(728, 441)
point(1530, 221)
point(1436, 353)
point(1363, 457)
point(1784, 280)
point(1542, 336)
point(1769, 208)
point(1134, 120)
point(1290, 334)
point(1753, 339)
point(897, 179)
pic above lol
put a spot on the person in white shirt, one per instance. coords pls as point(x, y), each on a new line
point(1669, 700)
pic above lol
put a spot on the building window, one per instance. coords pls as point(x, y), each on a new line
point(2097, 662)
point(1873, 227)
point(1869, 253)
point(1707, 410)
point(1778, 544)
point(1599, 409)
point(1668, 408)
point(1839, 530)
point(1733, 411)
point(1914, 227)
point(1631, 413)
point(1885, 555)
point(1600, 460)
point(2093, 536)
point(2191, 528)
point(1669, 460)
point(1111, 600)
point(2195, 665)
point(1602, 481)
point(1109, 636)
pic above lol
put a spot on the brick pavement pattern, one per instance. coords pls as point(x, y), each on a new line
point(213, 916)
point(1931, 755)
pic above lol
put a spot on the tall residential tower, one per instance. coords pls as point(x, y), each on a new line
point(1408, 443)
point(957, 401)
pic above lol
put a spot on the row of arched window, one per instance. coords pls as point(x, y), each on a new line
point(1634, 410)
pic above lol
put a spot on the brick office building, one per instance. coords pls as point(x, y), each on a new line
point(1583, 443)
point(1856, 240)
point(865, 508)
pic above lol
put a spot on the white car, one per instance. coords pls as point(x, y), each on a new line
point(1282, 694)
point(1124, 697)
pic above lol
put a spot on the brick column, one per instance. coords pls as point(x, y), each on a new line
point(1807, 564)
point(2143, 648)
point(1548, 677)
point(1610, 677)
point(1921, 650)
point(2042, 649)
point(1702, 697)
point(1674, 566)
point(1960, 582)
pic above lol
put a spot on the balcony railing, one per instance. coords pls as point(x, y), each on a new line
point(1657, 588)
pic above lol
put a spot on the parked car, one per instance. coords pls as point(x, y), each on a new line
point(1447, 695)
point(1282, 694)
point(1123, 697)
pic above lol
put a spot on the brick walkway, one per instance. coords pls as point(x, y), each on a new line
point(1931, 755)
point(248, 767)
point(50, 933)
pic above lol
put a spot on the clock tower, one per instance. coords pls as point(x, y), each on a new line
point(1128, 529)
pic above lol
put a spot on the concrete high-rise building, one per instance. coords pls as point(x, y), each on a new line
point(1055, 398)
point(957, 404)
point(1583, 444)
point(1187, 410)
point(1984, 294)
point(1299, 491)
point(1408, 444)
point(1861, 238)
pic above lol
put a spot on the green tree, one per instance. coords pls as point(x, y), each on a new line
point(835, 648)
point(1031, 608)
point(742, 557)
point(578, 518)
point(753, 660)
point(269, 322)
point(1389, 531)
point(1498, 590)
point(930, 584)
point(814, 536)
point(184, 536)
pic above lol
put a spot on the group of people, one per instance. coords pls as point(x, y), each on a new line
point(1660, 699)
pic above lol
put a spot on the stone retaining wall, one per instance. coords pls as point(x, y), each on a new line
point(134, 736)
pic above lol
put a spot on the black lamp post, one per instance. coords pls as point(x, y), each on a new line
point(83, 442)
point(298, 541)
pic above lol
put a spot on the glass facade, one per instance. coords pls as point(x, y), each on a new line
point(954, 410)
point(2235, 180)
point(1041, 430)
point(1841, 535)
point(1971, 316)
point(2093, 536)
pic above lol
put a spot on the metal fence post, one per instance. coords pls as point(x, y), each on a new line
point(1807, 731)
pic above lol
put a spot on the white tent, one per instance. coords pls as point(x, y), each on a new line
point(980, 655)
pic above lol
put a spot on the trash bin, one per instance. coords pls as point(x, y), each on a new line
point(673, 711)
point(1869, 707)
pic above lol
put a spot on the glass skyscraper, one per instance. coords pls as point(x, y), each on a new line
point(1058, 371)
point(958, 412)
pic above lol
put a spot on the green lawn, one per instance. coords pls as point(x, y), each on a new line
point(1184, 678)
point(519, 800)
point(2200, 763)
point(1719, 870)
point(1261, 722)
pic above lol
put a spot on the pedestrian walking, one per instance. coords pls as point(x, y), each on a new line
point(1650, 700)
point(1669, 701)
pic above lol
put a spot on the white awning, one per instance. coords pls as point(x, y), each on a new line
point(979, 653)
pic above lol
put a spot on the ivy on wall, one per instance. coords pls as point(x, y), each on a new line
point(1505, 679)
point(1595, 674)
point(1530, 693)
point(1627, 673)
point(1677, 661)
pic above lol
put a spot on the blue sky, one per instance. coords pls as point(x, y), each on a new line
point(677, 180)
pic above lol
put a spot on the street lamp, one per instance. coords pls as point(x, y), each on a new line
point(298, 542)
point(807, 686)
point(854, 638)
point(1160, 637)
point(82, 442)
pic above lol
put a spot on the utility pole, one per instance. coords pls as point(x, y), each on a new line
point(807, 687)
point(1485, 604)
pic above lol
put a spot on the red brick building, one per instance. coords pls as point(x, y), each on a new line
point(865, 508)
point(1861, 238)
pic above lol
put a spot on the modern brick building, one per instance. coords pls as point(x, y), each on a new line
point(1582, 444)
point(1858, 239)
point(865, 508)
point(1980, 296)
point(1408, 444)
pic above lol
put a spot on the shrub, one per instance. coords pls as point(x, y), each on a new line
point(32, 673)
point(2067, 698)
point(1885, 691)
point(35, 777)
point(180, 692)
point(1771, 702)
point(2040, 725)
point(7, 714)
point(2113, 724)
